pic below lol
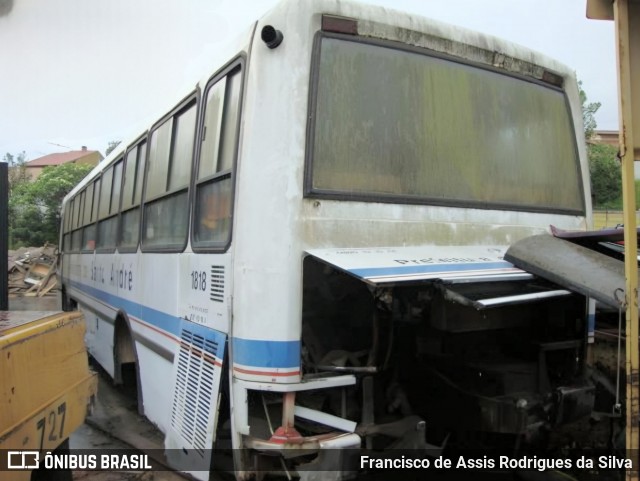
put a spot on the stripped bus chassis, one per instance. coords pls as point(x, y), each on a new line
point(498, 361)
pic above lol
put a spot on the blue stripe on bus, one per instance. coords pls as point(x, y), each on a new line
point(426, 269)
point(249, 352)
point(275, 354)
point(162, 320)
point(591, 324)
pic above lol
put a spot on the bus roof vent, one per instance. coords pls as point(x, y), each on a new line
point(333, 23)
point(217, 283)
point(194, 393)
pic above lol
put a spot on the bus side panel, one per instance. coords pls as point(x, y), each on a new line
point(157, 402)
point(100, 340)
point(84, 281)
point(267, 237)
point(205, 289)
point(197, 372)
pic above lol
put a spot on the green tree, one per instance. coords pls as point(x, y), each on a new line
point(34, 207)
point(17, 169)
point(49, 189)
point(588, 113)
point(20, 219)
point(25, 226)
point(606, 179)
point(111, 146)
point(604, 168)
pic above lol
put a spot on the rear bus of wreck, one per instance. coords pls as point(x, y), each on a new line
point(368, 170)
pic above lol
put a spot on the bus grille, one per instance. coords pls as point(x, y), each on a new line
point(193, 399)
point(217, 283)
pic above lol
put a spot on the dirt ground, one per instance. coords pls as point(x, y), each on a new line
point(115, 425)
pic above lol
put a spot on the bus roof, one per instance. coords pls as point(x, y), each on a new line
point(373, 21)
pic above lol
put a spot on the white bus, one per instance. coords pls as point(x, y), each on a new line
point(306, 251)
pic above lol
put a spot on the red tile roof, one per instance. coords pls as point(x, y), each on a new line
point(60, 158)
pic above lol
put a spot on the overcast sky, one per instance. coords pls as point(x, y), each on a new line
point(84, 72)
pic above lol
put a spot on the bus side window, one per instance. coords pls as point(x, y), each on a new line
point(80, 213)
point(77, 221)
point(166, 212)
point(66, 237)
point(131, 194)
point(89, 229)
point(108, 207)
point(214, 185)
point(76, 236)
point(68, 213)
point(214, 211)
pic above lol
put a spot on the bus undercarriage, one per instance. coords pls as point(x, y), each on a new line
point(459, 364)
point(492, 362)
point(476, 357)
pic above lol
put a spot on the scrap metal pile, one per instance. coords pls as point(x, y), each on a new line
point(32, 271)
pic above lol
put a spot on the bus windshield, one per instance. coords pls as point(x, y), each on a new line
point(397, 125)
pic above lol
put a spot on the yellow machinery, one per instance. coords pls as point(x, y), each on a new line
point(46, 387)
point(626, 17)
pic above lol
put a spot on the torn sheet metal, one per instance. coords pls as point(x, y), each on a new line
point(572, 266)
point(587, 238)
point(606, 241)
point(483, 295)
point(392, 265)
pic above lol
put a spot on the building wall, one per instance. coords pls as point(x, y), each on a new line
point(92, 158)
point(609, 137)
point(33, 172)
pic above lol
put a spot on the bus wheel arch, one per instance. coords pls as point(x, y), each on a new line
point(126, 371)
point(66, 303)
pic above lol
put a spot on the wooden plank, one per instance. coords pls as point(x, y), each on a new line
point(53, 282)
